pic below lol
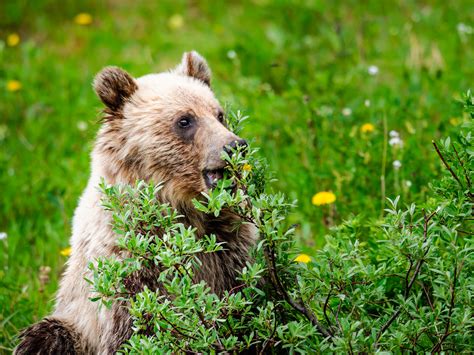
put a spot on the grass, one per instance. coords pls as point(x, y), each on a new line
point(300, 70)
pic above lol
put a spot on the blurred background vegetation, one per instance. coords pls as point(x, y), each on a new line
point(343, 97)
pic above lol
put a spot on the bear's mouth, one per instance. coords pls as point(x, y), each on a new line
point(212, 177)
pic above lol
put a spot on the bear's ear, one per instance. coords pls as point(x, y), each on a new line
point(114, 86)
point(196, 66)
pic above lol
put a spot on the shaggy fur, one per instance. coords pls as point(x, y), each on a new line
point(141, 138)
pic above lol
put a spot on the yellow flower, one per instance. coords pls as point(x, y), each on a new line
point(13, 39)
point(247, 167)
point(454, 121)
point(83, 19)
point(303, 258)
point(13, 85)
point(66, 251)
point(323, 198)
point(367, 127)
point(176, 21)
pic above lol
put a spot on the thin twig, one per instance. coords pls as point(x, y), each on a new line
point(326, 307)
point(419, 264)
point(438, 347)
point(468, 179)
point(446, 164)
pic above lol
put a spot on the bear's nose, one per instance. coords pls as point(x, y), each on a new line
point(239, 143)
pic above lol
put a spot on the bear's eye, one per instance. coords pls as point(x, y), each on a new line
point(220, 117)
point(185, 122)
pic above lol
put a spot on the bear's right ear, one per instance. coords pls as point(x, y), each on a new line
point(114, 86)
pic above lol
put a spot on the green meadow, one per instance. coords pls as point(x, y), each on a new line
point(343, 97)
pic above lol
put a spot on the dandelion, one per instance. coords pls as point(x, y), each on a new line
point(13, 39)
point(303, 258)
point(323, 198)
point(367, 128)
point(175, 22)
point(3, 235)
point(231, 54)
point(13, 85)
point(83, 19)
point(247, 167)
point(367, 103)
point(81, 126)
point(373, 70)
point(66, 251)
point(346, 111)
point(397, 164)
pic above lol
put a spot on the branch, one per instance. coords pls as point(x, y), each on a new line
point(438, 347)
point(297, 305)
point(446, 164)
point(418, 266)
point(468, 179)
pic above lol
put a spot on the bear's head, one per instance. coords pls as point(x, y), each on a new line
point(166, 127)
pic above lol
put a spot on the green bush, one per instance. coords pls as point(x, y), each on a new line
point(403, 284)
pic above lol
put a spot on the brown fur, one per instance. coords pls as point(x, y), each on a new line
point(141, 138)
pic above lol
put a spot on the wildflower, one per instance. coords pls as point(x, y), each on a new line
point(303, 258)
point(397, 164)
point(247, 167)
point(393, 134)
point(175, 22)
point(454, 121)
point(464, 29)
point(3, 235)
point(367, 103)
point(373, 70)
point(367, 127)
point(66, 251)
point(408, 183)
point(13, 85)
point(13, 39)
point(83, 19)
point(323, 198)
point(81, 126)
point(396, 142)
point(346, 111)
point(231, 54)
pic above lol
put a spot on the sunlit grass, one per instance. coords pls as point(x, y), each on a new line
point(325, 86)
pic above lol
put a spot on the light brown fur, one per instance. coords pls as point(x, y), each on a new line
point(141, 139)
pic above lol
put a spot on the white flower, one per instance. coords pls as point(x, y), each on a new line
point(81, 126)
point(408, 183)
point(393, 134)
point(396, 142)
point(3, 235)
point(373, 70)
point(346, 111)
point(464, 29)
point(231, 54)
point(397, 164)
point(367, 103)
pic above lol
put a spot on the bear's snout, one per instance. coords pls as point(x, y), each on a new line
point(240, 144)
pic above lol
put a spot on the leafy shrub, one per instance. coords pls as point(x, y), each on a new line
point(404, 284)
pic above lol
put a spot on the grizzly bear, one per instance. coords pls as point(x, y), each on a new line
point(167, 128)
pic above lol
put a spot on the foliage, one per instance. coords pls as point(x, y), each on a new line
point(408, 286)
point(295, 66)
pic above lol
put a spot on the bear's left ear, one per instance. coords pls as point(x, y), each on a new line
point(195, 66)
